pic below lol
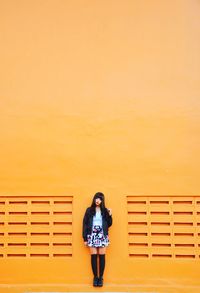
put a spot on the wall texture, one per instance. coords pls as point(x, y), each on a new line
point(99, 96)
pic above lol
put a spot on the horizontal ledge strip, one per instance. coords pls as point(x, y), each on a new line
point(39, 244)
point(161, 195)
point(40, 213)
point(39, 255)
point(183, 213)
point(161, 255)
point(138, 255)
point(137, 223)
point(18, 213)
point(62, 201)
point(159, 202)
point(62, 213)
point(62, 244)
point(136, 202)
point(183, 234)
point(183, 223)
point(36, 196)
point(17, 244)
point(40, 233)
point(40, 223)
point(62, 233)
point(182, 202)
point(137, 213)
point(40, 202)
point(138, 244)
point(138, 234)
point(161, 234)
point(160, 213)
point(17, 223)
point(161, 244)
point(184, 245)
point(62, 223)
point(16, 255)
point(161, 223)
point(62, 255)
point(185, 256)
point(17, 233)
point(18, 202)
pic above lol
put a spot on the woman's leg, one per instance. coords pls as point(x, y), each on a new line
point(93, 252)
point(102, 252)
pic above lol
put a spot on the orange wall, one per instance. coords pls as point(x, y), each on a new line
point(99, 96)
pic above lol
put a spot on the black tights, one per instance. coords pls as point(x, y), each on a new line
point(101, 264)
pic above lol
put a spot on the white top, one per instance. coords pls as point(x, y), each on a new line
point(97, 219)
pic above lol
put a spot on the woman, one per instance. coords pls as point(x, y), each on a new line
point(96, 221)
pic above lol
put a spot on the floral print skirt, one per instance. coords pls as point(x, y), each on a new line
point(97, 238)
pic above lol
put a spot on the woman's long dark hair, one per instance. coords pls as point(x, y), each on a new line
point(99, 195)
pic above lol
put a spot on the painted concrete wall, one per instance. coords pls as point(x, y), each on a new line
point(99, 96)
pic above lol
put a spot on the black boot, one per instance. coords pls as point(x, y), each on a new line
point(100, 283)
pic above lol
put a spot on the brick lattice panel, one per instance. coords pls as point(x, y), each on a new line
point(164, 226)
point(36, 226)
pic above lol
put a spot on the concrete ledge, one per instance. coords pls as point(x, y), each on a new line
point(125, 288)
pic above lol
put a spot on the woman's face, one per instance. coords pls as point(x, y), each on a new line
point(98, 201)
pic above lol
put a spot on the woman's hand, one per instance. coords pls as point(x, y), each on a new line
point(110, 212)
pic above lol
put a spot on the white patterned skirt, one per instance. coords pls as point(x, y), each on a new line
point(97, 238)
